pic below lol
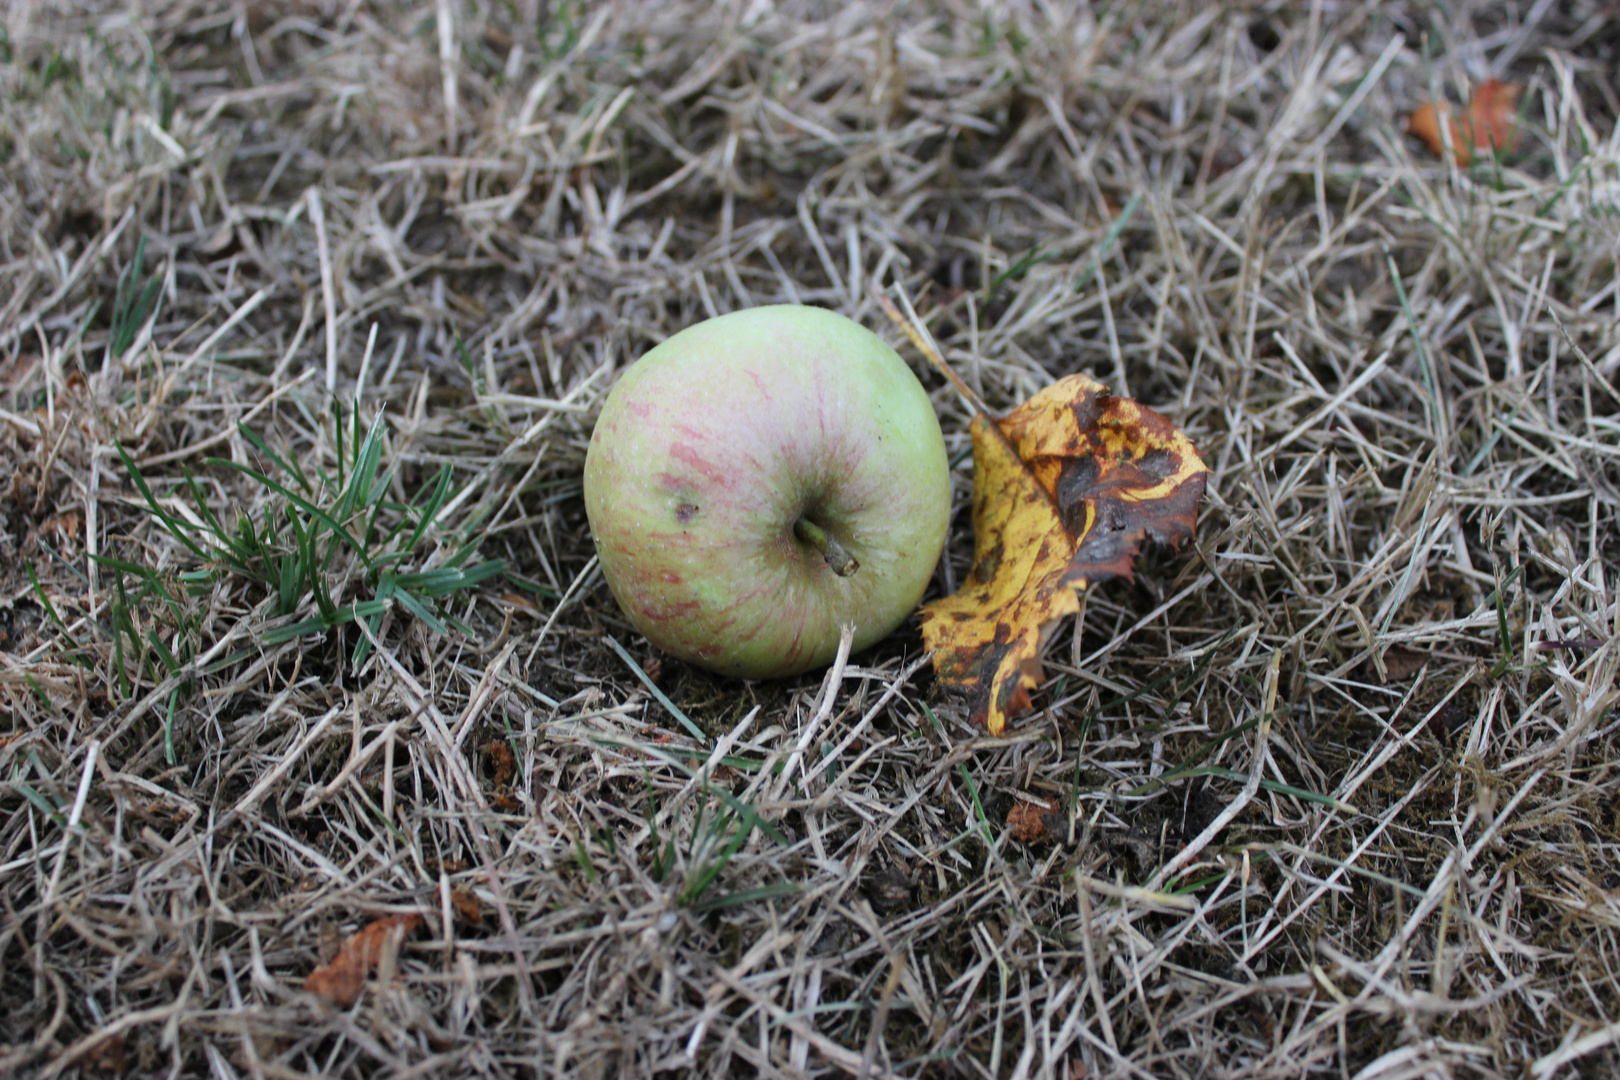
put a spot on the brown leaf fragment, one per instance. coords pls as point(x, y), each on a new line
point(63, 529)
point(1032, 822)
point(1401, 664)
point(889, 889)
point(501, 761)
point(467, 906)
point(342, 980)
point(1492, 119)
point(1065, 489)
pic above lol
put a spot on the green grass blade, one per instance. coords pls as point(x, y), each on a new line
point(978, 807)
point(410, 603)
point(430, 510)
point(50, 608)
point(1024, 264)
point(199, 495)
point(713, 866)
point(737, 806)
point(176, 528)
point(1425, 365)
point(303, 504)
point(747, 896)
point(170, 664)
point(658, 695)
point(132, 303)
point(41, 803)
point(133, 569)
point(168, 726)
point(443, 581)
point(1107, 243)
point(367, 463)
point(293, 470)
point(323, 623)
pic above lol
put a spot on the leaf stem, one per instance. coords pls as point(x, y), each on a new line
point(842, 562)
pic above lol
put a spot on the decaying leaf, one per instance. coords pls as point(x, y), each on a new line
point(1065, 488)
point(1032, 822)
point(504, 766)
point(501, 760)
point(342, 980)
point(1493, 122)
point(467, 905)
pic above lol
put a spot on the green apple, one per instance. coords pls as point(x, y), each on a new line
point(761, 479)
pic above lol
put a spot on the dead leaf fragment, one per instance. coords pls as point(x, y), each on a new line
point(503, 765)
point(501, 760)
point(1065, 489)
point(1493, 123)
point(1031, 822)
point(889, 889)
point(467, 906)
point(342, 980)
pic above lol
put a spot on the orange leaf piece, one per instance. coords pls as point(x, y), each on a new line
point(1493, 122)
point(1029, 821)
point(1065, 489)
point(501, 760)
point(342, 980)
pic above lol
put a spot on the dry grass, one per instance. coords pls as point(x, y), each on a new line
point(1338, 792)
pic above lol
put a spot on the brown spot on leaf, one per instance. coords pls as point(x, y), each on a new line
point(1158, 463)
point(984, 567)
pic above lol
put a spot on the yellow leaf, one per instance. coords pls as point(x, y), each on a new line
point(1065, 488)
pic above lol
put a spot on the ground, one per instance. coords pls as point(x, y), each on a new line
point(305, 312)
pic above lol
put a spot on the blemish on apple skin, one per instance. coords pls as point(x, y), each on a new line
point(686, 513)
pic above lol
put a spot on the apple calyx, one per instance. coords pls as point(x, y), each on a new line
point(838, 558)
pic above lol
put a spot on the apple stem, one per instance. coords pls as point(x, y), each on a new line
point(842, 562)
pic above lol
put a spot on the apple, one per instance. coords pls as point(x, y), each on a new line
point(759, 480)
